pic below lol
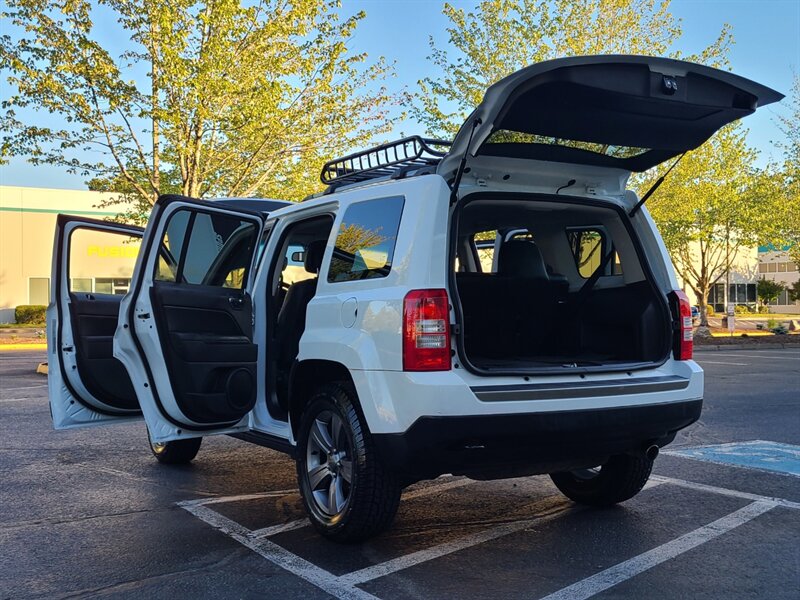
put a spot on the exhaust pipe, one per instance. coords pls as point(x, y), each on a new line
point(651, 453)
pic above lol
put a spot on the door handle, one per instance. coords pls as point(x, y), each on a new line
point(236, 302)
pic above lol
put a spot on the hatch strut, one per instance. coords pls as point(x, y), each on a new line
point(462, 165)
point(654, 187)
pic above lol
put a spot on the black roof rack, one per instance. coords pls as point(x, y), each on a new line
point(391, 159)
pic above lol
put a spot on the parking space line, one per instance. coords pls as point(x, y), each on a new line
point(297, 524)
point(4, 400)
point(714, 362)
point(278, 555)
point(702, 487)
point(769, 357)
point(551, 508)
point(29, 387)
point(239, 498)
point(630, 568)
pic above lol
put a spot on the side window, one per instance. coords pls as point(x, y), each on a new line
point(484, 244)
point(101, 262)
point(201, 248)
point(365, 242)
point(588, 248)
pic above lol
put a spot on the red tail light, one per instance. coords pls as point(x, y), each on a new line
point(683, 341)
point(426, 331)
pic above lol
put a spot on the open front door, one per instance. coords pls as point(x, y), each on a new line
point(185, 333)
point(93, 262)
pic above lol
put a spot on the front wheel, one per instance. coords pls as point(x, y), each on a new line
point(347, 492)
point(178, 452)
point(619, 479)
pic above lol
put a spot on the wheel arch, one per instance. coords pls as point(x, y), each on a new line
point(308, 375)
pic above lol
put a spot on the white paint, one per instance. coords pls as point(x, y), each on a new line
point(265, 532)
point(551, 508)
point(4, 400)
point(437, 488)
point(630, 568)
point(30, 387)
point(279, 556)
point(239, 498)
point(714, 362)
point(768, 357)
point(702, 487)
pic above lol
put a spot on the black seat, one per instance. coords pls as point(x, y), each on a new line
point(291, 320)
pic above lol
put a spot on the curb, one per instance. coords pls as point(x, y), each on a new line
point(723, 347)
point(12, 347)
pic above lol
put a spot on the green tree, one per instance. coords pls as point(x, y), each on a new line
point(230, 98)
point(788, 178)
point(499, 37)
point(769, 290)
point(794, 291)
point(710, 209)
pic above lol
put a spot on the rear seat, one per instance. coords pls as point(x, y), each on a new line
point(515, 311)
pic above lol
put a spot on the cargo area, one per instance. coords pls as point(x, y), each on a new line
point(553, 283)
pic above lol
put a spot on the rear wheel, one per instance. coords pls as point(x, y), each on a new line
point(178, 452)
point(347, 492)
point(619, 479)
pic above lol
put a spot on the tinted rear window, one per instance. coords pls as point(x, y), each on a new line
point(366, 240)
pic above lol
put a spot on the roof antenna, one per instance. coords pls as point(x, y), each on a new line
point(463, 164)
point(654, 187)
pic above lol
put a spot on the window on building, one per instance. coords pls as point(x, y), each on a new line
point(762, 268)
point(366, 240)
point(39, 291)
point(782, 267)
point(716, 297)
point(81, 284)
point(772, 268)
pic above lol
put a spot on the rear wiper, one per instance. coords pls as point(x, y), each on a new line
point(654, 187)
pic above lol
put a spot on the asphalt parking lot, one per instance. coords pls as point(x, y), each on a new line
point(90, 513)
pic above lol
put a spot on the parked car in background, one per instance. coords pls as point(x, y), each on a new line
point(695, 314)
point(497, 306)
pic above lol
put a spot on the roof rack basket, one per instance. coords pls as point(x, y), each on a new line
point(393, 159)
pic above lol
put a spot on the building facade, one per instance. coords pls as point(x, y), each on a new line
point(99, 262)
point(776, 265)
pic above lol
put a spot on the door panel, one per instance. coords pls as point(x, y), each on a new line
point(208, 349)
point(94, 319)
point(185, 333)
point(87, 385)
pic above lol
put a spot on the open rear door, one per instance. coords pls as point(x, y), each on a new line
point(185, 333)
point(93, 262)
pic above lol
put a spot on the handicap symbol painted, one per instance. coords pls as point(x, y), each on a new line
point(756, 454)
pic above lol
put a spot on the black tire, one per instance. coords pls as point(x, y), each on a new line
point(179, 452)
point(619, 479)
point(370, 499)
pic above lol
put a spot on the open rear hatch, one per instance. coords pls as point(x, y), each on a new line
point(623, 112)
point(572, 288)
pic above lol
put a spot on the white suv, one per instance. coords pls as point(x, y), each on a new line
point(499, 306)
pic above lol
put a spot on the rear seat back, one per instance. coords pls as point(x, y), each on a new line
point(516, 309)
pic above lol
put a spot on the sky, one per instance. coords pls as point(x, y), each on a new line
point(766, 49)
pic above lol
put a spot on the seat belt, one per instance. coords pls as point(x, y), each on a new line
point(586, 288)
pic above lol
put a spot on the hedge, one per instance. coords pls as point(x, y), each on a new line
point(33, 314)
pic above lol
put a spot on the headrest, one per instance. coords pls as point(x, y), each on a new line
point(313, 256)
point(521, 258)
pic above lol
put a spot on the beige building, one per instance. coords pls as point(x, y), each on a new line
point(739, 287)
point(98, 263)
point(776, 265)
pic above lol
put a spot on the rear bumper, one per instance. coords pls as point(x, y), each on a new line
point(506, 445)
